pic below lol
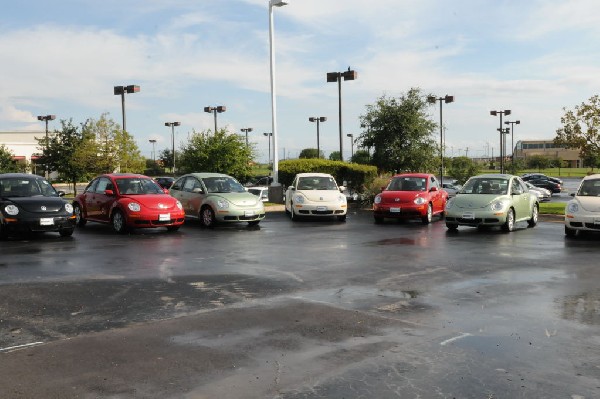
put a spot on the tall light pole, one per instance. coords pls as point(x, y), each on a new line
point(274, 3)
point(432, 100)
point(153, 142)
point(46, 118)
point(337, 77)
point(494, 113)
point(503, 133)
point(214, 110)
point(269, 135)
point(172, 125)
point(246, 130)
point(351, 145)
point(120, 91)
point(318, 119)
point(512, 141)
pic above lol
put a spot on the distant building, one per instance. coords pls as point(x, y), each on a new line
point(24, 147)
point(527, 148)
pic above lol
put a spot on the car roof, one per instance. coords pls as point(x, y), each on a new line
point(314, 174)
point(202, 175)
point(590, 177)
point(117, 175)
point(412, 175)
point(495, 175)
point(21, 175)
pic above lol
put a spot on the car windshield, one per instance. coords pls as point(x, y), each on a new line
point(26, 187)
point(408, 184)
point(589, 188)
point(484, 185)
point(137, 186)
point(317, 183)
point(223, 184)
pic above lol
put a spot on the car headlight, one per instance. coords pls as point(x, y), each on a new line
point(12, 210)
point(450, 203)
point(134, 207)
point(342, 198)
point(420, 201)
point(572, 207)
point(69, 208)
point(222, 204)
point(178, 203)
point(299, 199)
point(498, 206)
point(377, 199)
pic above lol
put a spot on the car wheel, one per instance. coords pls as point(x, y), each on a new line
point(3, 233)
point(427, 218)
point(66, 232)
point(173, 228)
point(534, 216)
point(118, 222)
point(378, 220)
point(208, 217)
point(569, 232)
point(509, 225)
point(254, 223)
point(341, 218)
point(79, 219)
point(452, 226)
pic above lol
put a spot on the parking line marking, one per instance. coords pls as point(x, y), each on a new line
point(448, 341)
point(11, 348)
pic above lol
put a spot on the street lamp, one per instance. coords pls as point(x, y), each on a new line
point(318, 119)
point(351, 144)
point(214, 110)
point(172, 125)
point(494, 113)
point(121, 90)
point(504, 132)
point(269, 135)
point(153, 150)
point(512, 141)
point(274, 3)
point(46, 118)
point(446, 99)
point(246, 130)
point(337, 77)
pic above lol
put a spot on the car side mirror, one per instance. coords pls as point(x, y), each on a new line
point(342, 188)
point(198, 190)
point(166, 190)
point(61, 193)
point(109, 192)
point(433, 189)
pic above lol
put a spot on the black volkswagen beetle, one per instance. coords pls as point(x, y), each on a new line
point(28, 203)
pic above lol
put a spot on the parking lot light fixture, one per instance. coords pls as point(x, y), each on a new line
point(246, 130)
point(500, 113)
point(351, 145)
point(218, 109)
point(153, 142)
point(269, 136)
point(337, 77)
point(46, 118)
point(512, 140)
point(432, 100)
point(318, 120)
point(172, 125)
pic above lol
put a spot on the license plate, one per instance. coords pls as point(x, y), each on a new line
point(394, 210)
point(321, 208)
point(248, 213)
point(46, 221)
point(164, 217)
point(468, 215)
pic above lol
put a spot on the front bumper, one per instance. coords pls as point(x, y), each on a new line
point(321, 209)
point(476, 218)
point(38, 224)
point(240, 215)
point(403, 211)
point(583, 222)
point(155, 219)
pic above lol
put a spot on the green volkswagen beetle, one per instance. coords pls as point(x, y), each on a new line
point(492, 200)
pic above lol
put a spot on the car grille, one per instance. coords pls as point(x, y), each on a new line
point(590, 226)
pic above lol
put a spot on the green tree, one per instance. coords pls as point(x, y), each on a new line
point(128, 153)
point(220, 153)
point(580, 129)
point(538, 161)
point(461, 168)
point(401, 133)
point(335, 156)
point(309, 153)
point(7, 163)
point(362, 157)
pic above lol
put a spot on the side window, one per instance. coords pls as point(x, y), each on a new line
point(190, 184)
point(516, 187)
point(91, 187)
point(103, 184)
point(433, 182)
point(178, 184)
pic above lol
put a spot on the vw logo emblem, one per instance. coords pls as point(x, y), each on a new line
point(43, 208)
point(397, 199)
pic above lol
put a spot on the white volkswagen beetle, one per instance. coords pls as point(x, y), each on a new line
point(582, 213)
point(315, 194)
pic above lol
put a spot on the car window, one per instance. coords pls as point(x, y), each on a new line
point(407, 184)
point(178, 184)
point(485, 185)
point(103, 185)
point(26, 187)
point(589, 188)
point(222, 184)
point(317, 183)
point(91, 187)
point(138, 186)
point(190, 184)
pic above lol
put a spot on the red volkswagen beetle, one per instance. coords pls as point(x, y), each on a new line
point(410, 196)
point(127, 201)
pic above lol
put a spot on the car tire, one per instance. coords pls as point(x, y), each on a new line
point(429, 216)
point(118, 222)
point(79, 219)
point(452, 226)
point(534, 216)
point(173, 228)
point(509, 224)
point(66, 232)
point(254, 223)
point(207, 217)
point(378, 220)
point(569, 232)
point(341, 218)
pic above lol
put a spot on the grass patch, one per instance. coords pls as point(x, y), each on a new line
point(553, 208)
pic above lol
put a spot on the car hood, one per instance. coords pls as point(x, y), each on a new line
point(239, 199)
point(477, 201)
point(153, 201)
point(320, 195)
point(590, 204)
point(400, 197)
point(38, 204)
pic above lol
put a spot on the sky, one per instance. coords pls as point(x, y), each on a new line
point(532, 57)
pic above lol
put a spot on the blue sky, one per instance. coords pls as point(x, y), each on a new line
point(64, 58)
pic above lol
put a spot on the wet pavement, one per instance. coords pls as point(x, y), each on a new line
point(308, 309)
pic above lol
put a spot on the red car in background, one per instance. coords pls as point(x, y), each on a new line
point(127, 201)
point(410, 196)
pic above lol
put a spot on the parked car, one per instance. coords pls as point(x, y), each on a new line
point(542, 193)
point(546, 183)
point(492, 200)
point(29, 203)
point(260, 192)
point(410, 196)
point(217, 198)
point(451, 188)
point(533, 176)
point(127, 201)
point(582, 213)
point(259, 181)
point(315, 194)
point(164, 181)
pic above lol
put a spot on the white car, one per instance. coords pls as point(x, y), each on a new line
point(542, 193)
point(315, 194)
point(582, 213)
point(261, 192)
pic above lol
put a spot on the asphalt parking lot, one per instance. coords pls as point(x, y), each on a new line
point(309, 309)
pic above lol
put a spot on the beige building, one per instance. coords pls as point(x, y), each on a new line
point(24, 147)
point(547, 148)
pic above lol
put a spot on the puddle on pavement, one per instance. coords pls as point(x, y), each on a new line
point(419, 241)
point(529, 276)
point(583, 308)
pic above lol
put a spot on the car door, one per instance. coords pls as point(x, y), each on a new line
point(520, 199)
point(103, 202)
point(437, 197)
point(289, 194)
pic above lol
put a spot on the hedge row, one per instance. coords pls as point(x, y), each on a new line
point(355, 175)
